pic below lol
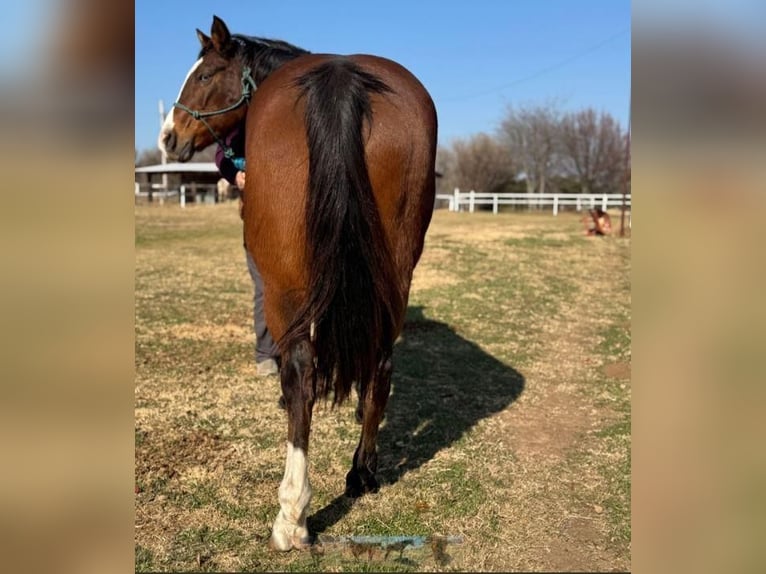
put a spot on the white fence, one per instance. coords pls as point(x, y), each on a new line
point(459, 199)
point(194, 193)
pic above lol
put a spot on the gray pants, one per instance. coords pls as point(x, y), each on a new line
point(265, 348)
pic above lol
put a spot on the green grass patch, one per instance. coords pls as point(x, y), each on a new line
point(463, 494)
point(538, 242)
point(616, 340)
point(197, 548)
point(144, 559)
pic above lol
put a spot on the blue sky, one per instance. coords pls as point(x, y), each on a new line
point(475, 58)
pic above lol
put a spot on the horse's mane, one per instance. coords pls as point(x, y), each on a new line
point(264, 55)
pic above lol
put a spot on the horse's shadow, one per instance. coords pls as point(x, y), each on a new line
point(442, 386)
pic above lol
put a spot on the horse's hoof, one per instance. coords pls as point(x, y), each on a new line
point(356, 486)
point(286, 535)
point(285, 543)
point(279, 544)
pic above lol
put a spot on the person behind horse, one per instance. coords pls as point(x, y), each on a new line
point(233, 170)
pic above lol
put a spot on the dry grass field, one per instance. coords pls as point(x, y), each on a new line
point(508, 423)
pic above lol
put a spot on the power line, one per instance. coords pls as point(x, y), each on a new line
point(542, 72)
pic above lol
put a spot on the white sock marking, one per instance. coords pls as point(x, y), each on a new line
point(294, 498)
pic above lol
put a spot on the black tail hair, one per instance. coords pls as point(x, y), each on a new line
point(353, 297)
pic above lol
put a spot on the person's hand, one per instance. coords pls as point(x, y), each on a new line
point(240, 179)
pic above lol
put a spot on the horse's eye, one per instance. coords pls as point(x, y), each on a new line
point(204, 78)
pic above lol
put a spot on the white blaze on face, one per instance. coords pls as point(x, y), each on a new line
point(168, 125)
point(294, 498)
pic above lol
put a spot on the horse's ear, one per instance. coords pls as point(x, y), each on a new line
point(206, 42)
point(220, 34)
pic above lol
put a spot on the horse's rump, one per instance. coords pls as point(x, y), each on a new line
point(340, 163)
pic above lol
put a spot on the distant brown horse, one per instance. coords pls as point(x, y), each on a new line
point(339, 194)
point(601, 222)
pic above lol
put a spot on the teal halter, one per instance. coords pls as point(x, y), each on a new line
point(248, 87)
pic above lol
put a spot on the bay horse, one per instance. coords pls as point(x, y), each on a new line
point(339, 193)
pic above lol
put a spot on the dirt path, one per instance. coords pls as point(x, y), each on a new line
point(551, 499)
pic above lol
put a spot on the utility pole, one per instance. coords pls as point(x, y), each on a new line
point(164, 159)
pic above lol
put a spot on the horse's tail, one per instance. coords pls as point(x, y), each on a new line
point(353, 299)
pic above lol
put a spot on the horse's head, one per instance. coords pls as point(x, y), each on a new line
point(214, 84)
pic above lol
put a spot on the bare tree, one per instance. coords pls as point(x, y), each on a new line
point(531, 135)
point(593, 148)
point(480, 163)
point(445, 165)
point(207, 154)
point(151, 156)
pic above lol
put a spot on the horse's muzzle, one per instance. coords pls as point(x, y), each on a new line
point(175, 150)
point(170, 141)
point(187, 151)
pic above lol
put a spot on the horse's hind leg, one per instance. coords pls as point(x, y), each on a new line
point(361, 478)
point(295, 491)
